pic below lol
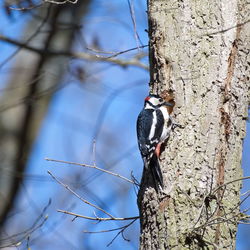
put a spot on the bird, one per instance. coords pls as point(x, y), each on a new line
point(154, 125)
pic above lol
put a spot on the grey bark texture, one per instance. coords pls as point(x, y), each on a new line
point(30, 89)
point(200, 50)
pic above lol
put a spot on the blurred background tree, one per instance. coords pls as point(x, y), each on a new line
point(74, 76)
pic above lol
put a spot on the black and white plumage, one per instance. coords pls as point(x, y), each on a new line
point(154, 124)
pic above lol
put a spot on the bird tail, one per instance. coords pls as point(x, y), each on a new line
point(156, 172)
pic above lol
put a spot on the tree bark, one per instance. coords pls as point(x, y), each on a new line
point(200, 51)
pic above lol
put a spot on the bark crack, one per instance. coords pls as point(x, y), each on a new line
point(226, 126)
point(231, 63)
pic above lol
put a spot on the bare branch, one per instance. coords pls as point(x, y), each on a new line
point(229, 182)
point(114, 54)
point(61, 2)
point(245, 223)
point(98, 218)
point(45, 19)
point(25, 8)
point(225, 30)
point(77, 55)
point(121, 232)
point(211, 218)
point(122, 229)
point(94, 153)
point(17, 239)
point(95, 167)
point(132, 14)
point(103, 231)
point(27, 98)
point(246, 193)
point(78, 196)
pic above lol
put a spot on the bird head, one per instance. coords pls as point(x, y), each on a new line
point(155, 101)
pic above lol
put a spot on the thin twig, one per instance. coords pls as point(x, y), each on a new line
point(62, 2)
point(45, 19)
point(94, 153)
point(227, 29)
point(97, 218)
point(103, 231)
point(229, 182)
point(132, 14)
point(91, 166)
point(121, 232)
point(246, 193)
point(210, 222)
point(77, 55)
point(114, 54)
point(218, 220)
point(78, 196)
point(22, 84)
point(23, 235)
point(25, 8)
point(36, 97)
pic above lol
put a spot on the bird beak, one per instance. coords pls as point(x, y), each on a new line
point(168, 104)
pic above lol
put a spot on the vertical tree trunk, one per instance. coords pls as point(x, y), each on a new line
point(200, 50)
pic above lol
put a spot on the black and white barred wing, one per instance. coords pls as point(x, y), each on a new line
point(150, 124)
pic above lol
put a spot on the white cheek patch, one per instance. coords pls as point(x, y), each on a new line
point(154, 101)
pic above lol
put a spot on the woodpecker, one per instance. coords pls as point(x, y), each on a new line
point(154, 125)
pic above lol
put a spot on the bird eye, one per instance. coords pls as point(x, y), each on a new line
point(161, 100)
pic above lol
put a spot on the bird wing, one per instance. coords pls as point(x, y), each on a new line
point(149, 135)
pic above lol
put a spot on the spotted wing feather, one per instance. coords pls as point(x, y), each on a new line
point(149, 133)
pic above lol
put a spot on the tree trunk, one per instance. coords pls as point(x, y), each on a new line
point(200, 50)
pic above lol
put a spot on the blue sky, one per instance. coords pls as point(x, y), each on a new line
point(68, 131)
